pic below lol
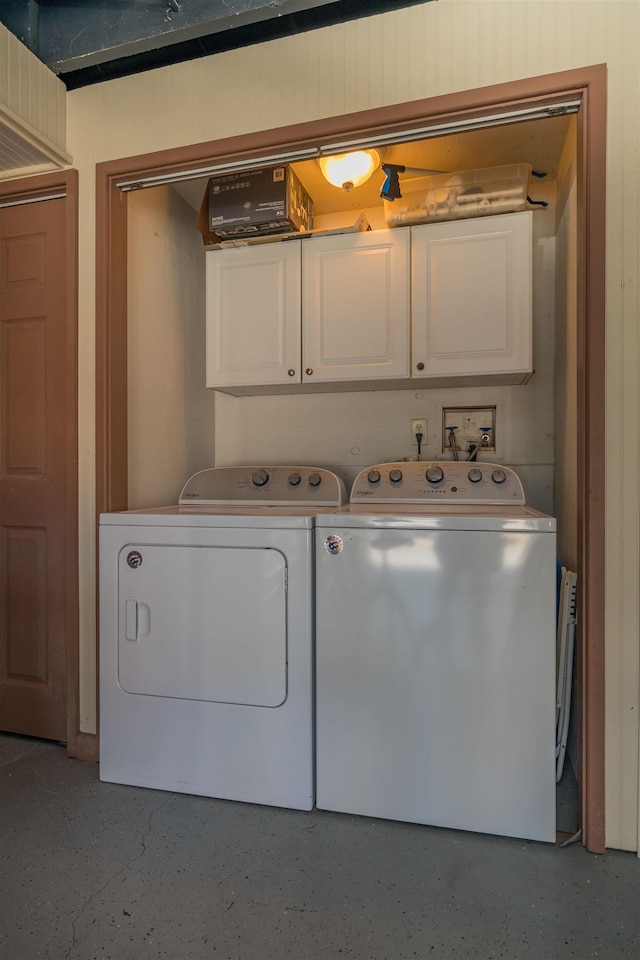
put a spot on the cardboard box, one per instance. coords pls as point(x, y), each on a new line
point(258, 202)
point(359, 225)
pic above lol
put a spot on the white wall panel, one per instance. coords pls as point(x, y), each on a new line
point(32, 101)
point(430, 49)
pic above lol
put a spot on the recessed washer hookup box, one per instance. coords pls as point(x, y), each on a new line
point(258, 202)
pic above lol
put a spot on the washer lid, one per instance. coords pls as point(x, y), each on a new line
point(439, 517)
point(268, 486)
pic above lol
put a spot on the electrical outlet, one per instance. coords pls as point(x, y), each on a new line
point(419, 426)
point(472, 425)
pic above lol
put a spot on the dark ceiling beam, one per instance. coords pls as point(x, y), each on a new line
point(88, 41)
point(22, 19)
point(78, 35)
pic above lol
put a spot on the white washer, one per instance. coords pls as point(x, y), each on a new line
point(435, 651)
point(206, 637)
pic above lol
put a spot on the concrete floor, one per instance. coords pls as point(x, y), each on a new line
point(97, 870)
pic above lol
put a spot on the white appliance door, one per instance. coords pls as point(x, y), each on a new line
point(356, 306)
point(435, 660)
point(253, 315)
point(203, 623)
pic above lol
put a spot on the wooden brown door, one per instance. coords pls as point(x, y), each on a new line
point(34, 468)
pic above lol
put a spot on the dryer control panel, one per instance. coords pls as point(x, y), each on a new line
point(438, 482)
point(265, 486)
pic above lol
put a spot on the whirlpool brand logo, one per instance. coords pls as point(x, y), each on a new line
point(333, 544)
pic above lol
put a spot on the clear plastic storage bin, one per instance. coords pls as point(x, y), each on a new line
point(455, 196)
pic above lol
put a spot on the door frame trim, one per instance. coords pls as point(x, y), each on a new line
point(40, 187)
point(589, 83)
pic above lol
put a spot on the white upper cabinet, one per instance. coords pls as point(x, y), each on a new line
point(442, 303)
point(355, 306)
point(253, 315)
point(471, 298)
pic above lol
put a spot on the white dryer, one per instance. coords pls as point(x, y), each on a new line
point(435, 651)
point(206, 637)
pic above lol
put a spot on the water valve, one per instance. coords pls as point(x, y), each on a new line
point(471, 427)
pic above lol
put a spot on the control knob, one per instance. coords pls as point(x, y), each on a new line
point(259, 478)
point(294, 479)
point(435, 474)
point(475, 475)
point(315, 479)
point(395, 475)
point(498, 476)
point(373, 476)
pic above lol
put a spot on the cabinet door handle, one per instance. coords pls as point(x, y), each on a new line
point(291, 372)
point(309, 371)
point(419, 366)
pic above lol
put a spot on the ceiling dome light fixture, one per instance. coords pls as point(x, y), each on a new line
point(348, 170)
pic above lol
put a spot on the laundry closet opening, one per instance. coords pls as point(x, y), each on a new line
point(174, 425)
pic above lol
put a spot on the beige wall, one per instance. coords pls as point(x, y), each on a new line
point(566, 452)
point(349, 431)
point(423, 51)
point(170, 411)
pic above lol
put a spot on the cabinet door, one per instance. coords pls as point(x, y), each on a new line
point(253, 315)
point(471, 297)
point(355, 312)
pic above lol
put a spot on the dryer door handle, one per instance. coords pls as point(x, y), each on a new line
point(138, 620)
point(132, 620)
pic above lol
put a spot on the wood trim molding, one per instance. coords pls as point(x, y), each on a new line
point(66, 181)
point(111, 347)
point(588, 83)
point(591, 453)
point(85, 748)
point(40, 186)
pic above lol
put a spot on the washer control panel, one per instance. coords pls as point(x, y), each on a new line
point(440, 481)
point(264, 486)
